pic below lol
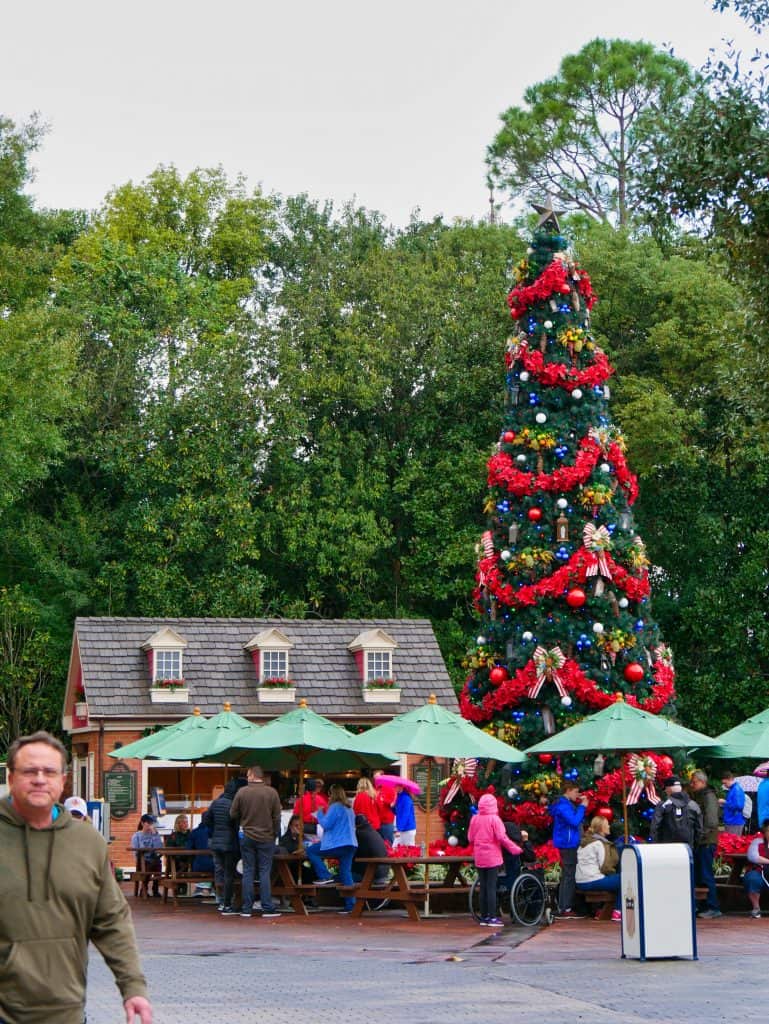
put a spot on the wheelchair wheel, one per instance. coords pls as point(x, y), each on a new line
point(527, 900)
point(474, 900)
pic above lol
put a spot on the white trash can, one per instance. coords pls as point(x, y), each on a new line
point(657, 901)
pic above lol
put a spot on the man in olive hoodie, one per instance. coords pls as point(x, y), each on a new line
point(57, 892)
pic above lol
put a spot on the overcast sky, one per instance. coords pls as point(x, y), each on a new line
point(390, 104)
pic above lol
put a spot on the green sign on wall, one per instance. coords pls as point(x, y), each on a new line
point(119, 789)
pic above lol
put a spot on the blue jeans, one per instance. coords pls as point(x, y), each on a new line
point(703, 869)
point(387, 832)
point(609, 882)
point(344, 854)
point(252, 852)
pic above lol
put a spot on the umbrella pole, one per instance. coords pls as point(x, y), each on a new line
point(192, 797)
point(300, 789)
point(624, 803)
point(427, 836)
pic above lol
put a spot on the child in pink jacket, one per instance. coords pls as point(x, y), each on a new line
point(488, 836)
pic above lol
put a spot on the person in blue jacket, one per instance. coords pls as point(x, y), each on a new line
point(733, 804)
point(762, 802)
point(338, 841)
point(568, 813)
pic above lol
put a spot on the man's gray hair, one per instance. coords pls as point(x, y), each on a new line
point(256, 772)
point(36, 737)
point(700, 776)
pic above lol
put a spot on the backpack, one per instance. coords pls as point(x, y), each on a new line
point(747, 808)
point(677, 823)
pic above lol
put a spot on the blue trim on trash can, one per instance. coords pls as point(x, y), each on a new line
point(694, 904)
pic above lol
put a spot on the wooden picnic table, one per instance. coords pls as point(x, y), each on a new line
point(399, 889)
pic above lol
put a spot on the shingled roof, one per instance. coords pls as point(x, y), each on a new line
point(218, 669)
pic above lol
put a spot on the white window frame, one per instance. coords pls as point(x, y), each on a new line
point(383, 657)
point(157, 653)
point(273, 652)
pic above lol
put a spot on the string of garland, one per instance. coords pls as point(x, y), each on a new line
point(554, 278)
point(576, 570)
point(559, 374)
point(576, 683)
point(503, 473)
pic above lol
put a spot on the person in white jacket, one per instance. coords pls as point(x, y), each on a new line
point(598, 861)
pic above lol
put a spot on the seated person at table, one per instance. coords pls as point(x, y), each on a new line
point(597, 862)
point(179, 839)
point(405, 819)
point(289, 842)
point(311, 800)
point(512, 862)
point(370, 844)
point(338, 841)
point(757, 876)
point(146, 839)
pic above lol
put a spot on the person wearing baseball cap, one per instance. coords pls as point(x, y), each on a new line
point(77, 807)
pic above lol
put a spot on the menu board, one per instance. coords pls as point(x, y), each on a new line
point(119, 789)
point(438, 773)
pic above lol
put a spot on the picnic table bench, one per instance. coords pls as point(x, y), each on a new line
point(400, 889)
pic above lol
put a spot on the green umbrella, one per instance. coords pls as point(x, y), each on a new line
point(433, 731)
point(622, 727)
point(749, 739)
point(301, 740)
point(146, 746)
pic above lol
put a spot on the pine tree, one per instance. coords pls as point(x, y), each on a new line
point(563, 582)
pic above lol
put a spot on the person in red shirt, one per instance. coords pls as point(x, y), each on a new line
point(311, 801)
point(365, 803)
point(385, 799)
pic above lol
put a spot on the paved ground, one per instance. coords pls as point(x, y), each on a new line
point(326, 969)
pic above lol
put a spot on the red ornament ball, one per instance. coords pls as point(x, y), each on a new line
point(545, 758)
point(576, 598)
point(606, 812)
point(664, 766)
point(534, 514)
point(497, 675)
point(634, 672)
point(509, 436)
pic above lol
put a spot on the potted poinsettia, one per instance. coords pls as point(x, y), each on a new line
point(276, 690)
point(381, 690)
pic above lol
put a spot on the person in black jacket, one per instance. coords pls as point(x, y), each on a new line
point(370, 844)
point(512, 863)
point(224, 843)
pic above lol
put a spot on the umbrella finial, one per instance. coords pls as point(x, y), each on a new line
point(227, 706)
point(302, 702)
point(196, 711)
point(619, 698)
point(432, 699)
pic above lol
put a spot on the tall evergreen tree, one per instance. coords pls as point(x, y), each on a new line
point(563, 578)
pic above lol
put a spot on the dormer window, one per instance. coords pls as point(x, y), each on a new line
point(270, 651)
point(165, 664)
point(165, 655)
point(373, 652)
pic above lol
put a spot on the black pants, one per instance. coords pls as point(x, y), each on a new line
point(487, 879)
point(226, 861)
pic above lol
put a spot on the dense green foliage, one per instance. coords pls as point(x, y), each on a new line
point(581, 134)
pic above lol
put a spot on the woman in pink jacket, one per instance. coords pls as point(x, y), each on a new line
point(488, 836)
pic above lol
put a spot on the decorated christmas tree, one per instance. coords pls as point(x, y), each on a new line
point(562, 584)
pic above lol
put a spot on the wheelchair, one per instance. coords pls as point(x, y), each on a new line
point(527, 902)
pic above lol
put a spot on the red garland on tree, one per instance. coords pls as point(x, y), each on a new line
point(565, 613)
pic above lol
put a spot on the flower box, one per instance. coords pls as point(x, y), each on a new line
point(169, 694)
point(81, 709)
point(276, 694)
point(381, 695)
